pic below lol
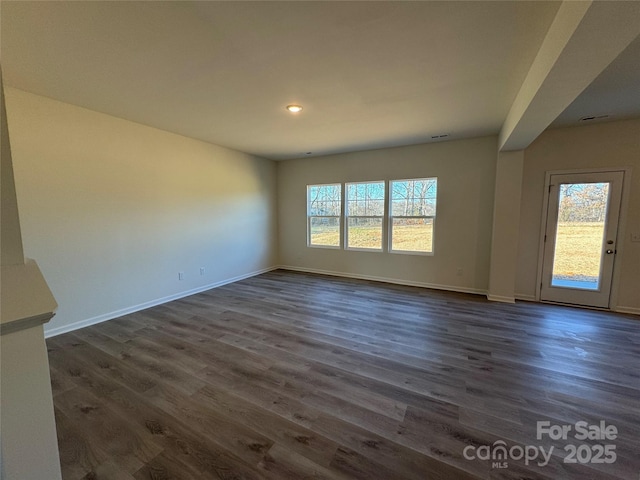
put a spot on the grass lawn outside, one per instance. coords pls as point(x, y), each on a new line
point(405, 237)
point(578, 247)
point(577, 244)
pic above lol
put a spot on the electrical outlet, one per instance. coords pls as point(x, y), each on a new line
point(635, 237)
point(201, 270)
point(180, 275)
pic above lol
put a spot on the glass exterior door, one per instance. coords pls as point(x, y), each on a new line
point(580, 238)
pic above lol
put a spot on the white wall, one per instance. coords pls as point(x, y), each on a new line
point(506, 222)
point(10, 235)
point(113, 210)
point(466, 175)
point(612, 144)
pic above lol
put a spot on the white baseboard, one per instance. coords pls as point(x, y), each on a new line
point(452, 288)
point(500, 298)
point(526, 298)
point(142, 306)
point(136, 308)
point(631, 310)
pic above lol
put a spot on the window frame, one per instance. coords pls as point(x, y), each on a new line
point(391, 217)
point(339, 216)
point(382, 217)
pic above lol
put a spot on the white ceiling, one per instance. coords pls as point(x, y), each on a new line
point(369, 74)
point(615, 92)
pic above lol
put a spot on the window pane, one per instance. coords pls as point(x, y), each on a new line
point(366, 199)
point(364, 233)
point(582, 213)
point(412, 234)
point(413, 197)
point(324, 208)
point(325, 231)
point(324, 200)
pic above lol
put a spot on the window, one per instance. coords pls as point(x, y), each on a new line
point(364, 215)
point(324, 208)
point(412, 215)
point(404, 225)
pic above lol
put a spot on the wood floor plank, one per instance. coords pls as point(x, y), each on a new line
point(60, 383)
point(209, 423)
point(109, 469)
point(329, 381)
point(78, 454)
point(406, 462)
point(280, 430)
point(316, 399)
point(69, 346)
point(281, 462)
point(128, 445)
point(181, 443)
point(290, 375)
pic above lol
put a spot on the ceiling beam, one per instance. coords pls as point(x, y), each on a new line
point(584, 38)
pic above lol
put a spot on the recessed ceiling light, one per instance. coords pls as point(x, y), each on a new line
point(294, 108)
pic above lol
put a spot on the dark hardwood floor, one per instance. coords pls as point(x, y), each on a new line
point(289, 375)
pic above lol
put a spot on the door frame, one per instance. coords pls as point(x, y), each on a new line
point(622, 228)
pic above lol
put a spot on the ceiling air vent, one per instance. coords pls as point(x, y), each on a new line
point(440, 136)
point(593, 117)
